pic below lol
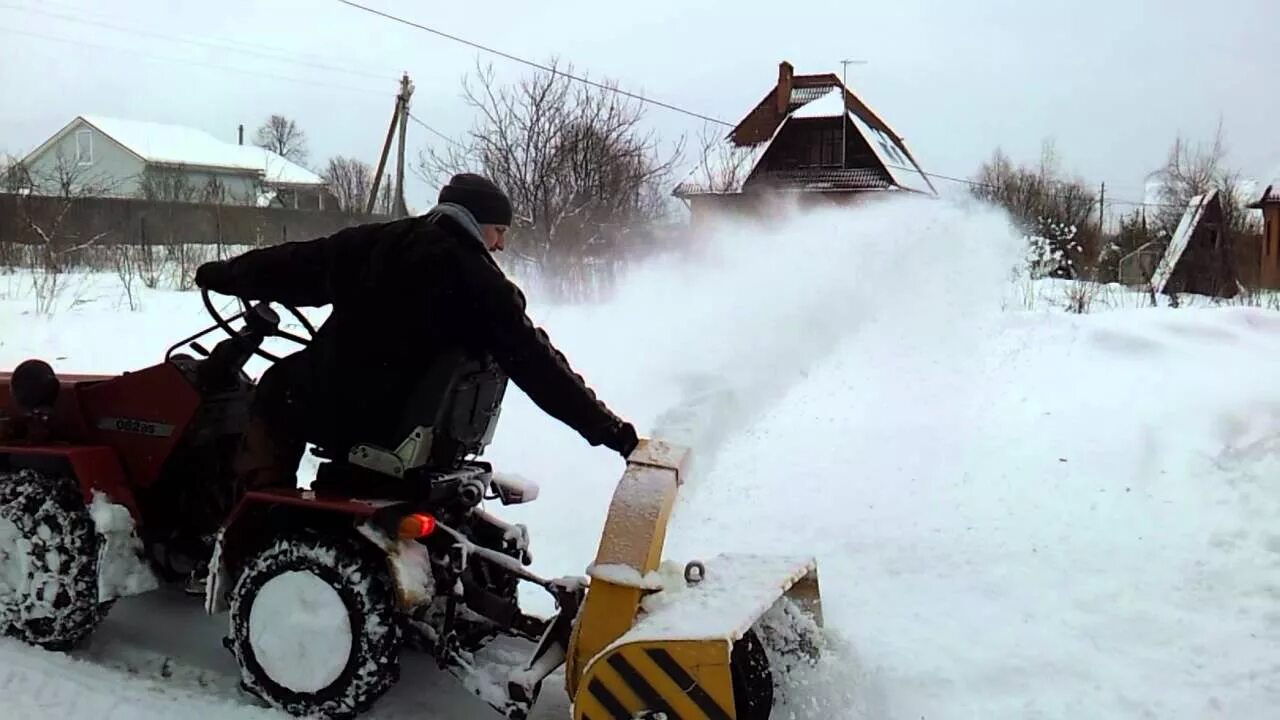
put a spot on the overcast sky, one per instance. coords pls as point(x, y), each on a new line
point(1111, 81)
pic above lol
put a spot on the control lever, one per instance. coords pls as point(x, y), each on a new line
point(262, 320)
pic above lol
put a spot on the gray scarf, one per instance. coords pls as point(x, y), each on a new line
point(461, 215)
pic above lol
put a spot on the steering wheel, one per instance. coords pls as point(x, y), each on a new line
point(262, 318)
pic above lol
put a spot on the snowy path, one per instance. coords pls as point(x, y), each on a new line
point(159, 656)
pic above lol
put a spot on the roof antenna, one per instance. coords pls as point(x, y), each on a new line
point(844, 108)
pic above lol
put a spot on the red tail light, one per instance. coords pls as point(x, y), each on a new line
point(416, 526)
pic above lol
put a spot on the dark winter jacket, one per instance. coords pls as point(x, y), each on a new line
point(402, 292)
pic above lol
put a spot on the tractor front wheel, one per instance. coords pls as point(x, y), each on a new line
point(314, 627)
point(48, 561)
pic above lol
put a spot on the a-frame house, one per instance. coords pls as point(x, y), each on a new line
point(794, 142)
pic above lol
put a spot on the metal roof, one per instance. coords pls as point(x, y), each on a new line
point(806, 95)
point(825, 179)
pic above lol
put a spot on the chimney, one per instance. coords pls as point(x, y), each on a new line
point(242, 134)
point(785, 73)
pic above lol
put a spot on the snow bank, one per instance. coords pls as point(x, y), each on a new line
point(122, 568)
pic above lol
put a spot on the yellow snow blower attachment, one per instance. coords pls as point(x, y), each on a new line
point(706, 640)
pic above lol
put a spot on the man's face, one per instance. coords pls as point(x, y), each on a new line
point(495, 237)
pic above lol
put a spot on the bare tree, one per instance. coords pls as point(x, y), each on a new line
point(722, 166)
point(53, 231)
point(14, 176)
point(166, 185)
point(127, 261)
point(1192, 170)
point(1053, 210)
point(350, 180)
point(283, 137)
point(586, 183)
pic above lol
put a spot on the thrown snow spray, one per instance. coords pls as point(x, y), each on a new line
point(701, 347)
point(727, 329)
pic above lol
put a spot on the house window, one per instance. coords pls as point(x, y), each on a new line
point(84, 147)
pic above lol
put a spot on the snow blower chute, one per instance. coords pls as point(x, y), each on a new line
point(650, 645)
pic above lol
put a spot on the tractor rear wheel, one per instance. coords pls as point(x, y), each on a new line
point(314, 626)
point(48, 561)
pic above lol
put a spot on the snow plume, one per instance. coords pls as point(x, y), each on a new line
point(696, 346)
point(726, 330)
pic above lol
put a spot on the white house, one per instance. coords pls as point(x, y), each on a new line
point(111, 157)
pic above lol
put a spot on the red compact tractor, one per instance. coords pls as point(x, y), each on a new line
point(110, 485)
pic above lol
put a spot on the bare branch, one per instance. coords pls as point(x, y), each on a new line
point(283, 137)
point(585, 181)
point(1052, 210)
point(350, 181)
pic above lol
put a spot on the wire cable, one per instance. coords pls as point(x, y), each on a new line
point(275, 54)
point(533, 64)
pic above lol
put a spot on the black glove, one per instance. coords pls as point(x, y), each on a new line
point(213, 276)
point(623, 439)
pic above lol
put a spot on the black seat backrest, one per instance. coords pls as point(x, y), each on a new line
point(459, 398)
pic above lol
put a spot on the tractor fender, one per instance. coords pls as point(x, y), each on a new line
point(262, 515)
point(95, 468)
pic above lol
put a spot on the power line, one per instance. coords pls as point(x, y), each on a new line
point(255, 73)
point(273, 53)
point(434, 131)
point(322, 66)
point(533, 64)
point(626, 94)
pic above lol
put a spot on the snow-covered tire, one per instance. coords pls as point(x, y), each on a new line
point(314, 626)
point(48, 561)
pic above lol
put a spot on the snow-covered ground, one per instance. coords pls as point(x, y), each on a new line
point(1016, 511)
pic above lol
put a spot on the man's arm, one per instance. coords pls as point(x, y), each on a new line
point(300, 273)
point(495, 311)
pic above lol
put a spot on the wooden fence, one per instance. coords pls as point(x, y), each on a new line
point(109, 221)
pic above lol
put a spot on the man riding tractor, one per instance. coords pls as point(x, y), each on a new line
point(403, 293)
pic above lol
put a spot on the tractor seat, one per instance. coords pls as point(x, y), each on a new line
point(450, 414)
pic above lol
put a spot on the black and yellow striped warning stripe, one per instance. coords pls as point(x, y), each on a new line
point(633, 680)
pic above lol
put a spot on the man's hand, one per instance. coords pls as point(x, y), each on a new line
point(213, 276)
point(623, 439)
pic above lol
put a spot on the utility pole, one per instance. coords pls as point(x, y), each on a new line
point(406, 92)
point(844, 106)
point(1102, 210)
point(398, 118)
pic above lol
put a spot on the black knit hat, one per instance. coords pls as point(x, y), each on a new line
point(479, 195)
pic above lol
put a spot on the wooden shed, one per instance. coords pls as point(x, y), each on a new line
point(1199, 258)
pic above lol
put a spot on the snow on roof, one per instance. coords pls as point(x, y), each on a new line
point(1181, 238)
point(824, 106)
point(177, 145)
point(1270, 187)
point(725, 168)
point(1271, 190)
